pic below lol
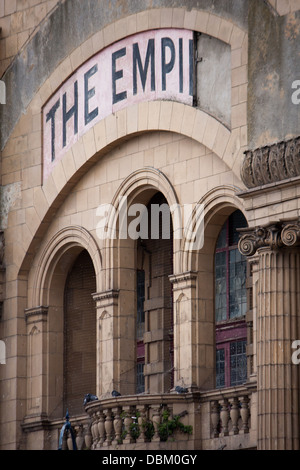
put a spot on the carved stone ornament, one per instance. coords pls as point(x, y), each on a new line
point(271, 164)
point(274, 236)
point(260, 237)
point(290, 234)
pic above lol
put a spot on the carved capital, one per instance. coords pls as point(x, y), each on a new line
point(260, 237)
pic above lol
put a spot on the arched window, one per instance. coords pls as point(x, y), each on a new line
point(230, 305)
point(154, 359)
point(79, 334)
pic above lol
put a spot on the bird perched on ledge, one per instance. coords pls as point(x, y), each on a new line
point(180, 390)
point(115, 393)
point(88, 398)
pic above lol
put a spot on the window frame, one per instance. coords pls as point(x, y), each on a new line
point(229, 330)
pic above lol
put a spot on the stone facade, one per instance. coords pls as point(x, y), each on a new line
point(221, 149)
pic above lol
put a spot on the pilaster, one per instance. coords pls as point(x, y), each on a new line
point(107, 342)
point(185, 330)
point(277, 305)
point(36, 325)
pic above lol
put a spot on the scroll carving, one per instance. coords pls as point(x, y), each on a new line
point(260, 237)
point(274, 236)
point(271, 164)
point(290, 234)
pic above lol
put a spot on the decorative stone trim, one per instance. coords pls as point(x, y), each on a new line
point(271, 164)
point(105, 299)
point(36, 314)
point(183, 280)
point(274, 236)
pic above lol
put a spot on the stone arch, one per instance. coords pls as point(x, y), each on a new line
point(215, 206)
point(139, 186)
point(63, 247)
point(46, 304)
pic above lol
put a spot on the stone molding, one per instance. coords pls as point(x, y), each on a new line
point(274, 236)
point(36, 314)
point(183, 280)
point(105, 299)
point(271, 164)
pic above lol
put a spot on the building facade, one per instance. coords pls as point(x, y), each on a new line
point(149, 231)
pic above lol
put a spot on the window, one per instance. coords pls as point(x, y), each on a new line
point(79, 334)
point(140, 328)
point(230, 305)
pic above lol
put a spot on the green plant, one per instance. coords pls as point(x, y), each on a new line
point(134, 430)
point(149, 430)
point(169, 426)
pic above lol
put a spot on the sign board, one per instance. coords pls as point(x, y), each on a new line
point(153, 65)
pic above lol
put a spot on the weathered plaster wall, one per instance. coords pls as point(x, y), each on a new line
point(18, 22)
point(274, 45)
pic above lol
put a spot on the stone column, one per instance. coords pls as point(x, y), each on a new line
point(186, 365)
point(278, 302)
point(107, 342)
point(37, 392)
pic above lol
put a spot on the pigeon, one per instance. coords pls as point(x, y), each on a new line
point(115, 393)
point(88, 398)
point(180, 390)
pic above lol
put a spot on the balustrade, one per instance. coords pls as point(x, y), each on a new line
point(143, 420)
point(230, 415)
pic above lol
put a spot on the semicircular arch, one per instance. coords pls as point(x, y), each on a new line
point(56, 257)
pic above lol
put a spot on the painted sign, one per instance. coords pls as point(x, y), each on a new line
point(153, 65)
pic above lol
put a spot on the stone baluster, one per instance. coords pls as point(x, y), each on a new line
point(142, 419)
point(69, 440)
point(245, 413)
point(224, 416)
point(108, 427)
point(88, 440)
point(156, 418)
point(127, 423)
point(118, 423)
point(79, 437)
point(93, 430)
point(215, 417)
point(234, 414)
point(96, 429)
point(101, 428)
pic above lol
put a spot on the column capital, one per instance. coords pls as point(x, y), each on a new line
point(285, 233)
point(260, 237)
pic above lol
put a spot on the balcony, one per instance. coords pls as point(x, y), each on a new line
point(216, 420)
